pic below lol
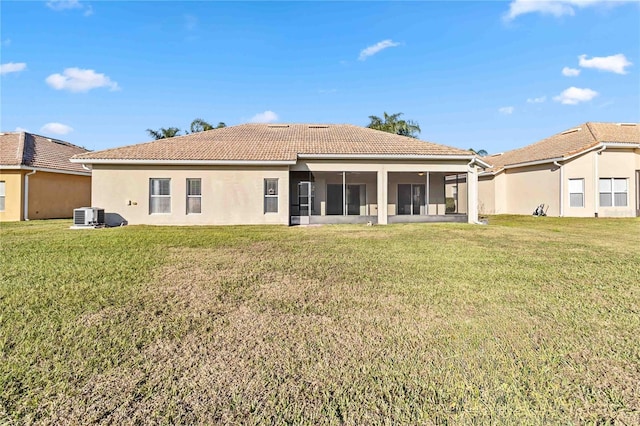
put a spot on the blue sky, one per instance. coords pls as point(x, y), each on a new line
point(492, 75)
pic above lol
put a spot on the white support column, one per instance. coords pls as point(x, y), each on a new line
point(426, 210)
point(383, 190)
point(472, 194)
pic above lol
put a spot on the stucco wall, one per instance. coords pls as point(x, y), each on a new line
point(611, 163)
point(619, 163)
point(229, 195)
point(527, 187)
point(13, 195)
point(486, 195)
point(55, 195)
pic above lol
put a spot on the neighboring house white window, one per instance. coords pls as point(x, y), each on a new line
point(576, 192)
point(613, 192)
point(194, 196)
point(2, 194)
point(271, 195)
point(159, 196)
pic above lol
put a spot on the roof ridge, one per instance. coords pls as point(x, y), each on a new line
point(20, 153)
point(588, 124)
point(58, 141)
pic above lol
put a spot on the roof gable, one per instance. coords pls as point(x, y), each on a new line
point(29, 150)
point(275, 142)
point(567, 143)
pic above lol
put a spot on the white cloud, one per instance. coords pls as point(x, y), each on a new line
point(21, 129)
point(508, 110)
point(264, 117)
point(59, 5)
point(372, 50)
point(539, 100)
point(575, 95)
point(64, 4)
point(56, 128)
point(570, 72)
point(614, 63)
point(80, 80)
point(556, 8)
point(10, 67)
point(6, 42)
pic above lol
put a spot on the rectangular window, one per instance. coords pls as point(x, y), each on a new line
point(271, 195)
point(576, 192)
point(194, 196)
point(613, 192)
point(2, 195)
point(159, 196)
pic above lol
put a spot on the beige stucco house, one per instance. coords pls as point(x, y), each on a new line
point(37, 180)
point(589, 170)
point(281, 174)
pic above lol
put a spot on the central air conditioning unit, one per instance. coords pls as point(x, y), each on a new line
point(88, 216)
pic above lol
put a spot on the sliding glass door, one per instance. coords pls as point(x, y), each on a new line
point(355, 199)
point(411, 199)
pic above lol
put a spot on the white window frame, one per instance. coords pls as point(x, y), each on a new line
point(3, 198)
point(152, 195)
point(193, 196)
point(572, 192)
point(613, 192)
point(270, 195)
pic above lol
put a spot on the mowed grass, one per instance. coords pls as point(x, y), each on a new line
point(525, 321)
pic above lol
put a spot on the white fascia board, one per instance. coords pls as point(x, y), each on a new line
point(621, 145)
point(382, 157)
point(184, 162)
point(43, 169)
point(493, 173)
point(482, 164)
point(533, 163)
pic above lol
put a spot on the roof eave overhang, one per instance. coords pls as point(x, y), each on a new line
point(46, 170)
point(574, 155)
point(142, 162)
point(385, 157)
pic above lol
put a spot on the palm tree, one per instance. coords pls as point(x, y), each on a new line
point(393, 124)
point(199, 125)
point(163, 133)
point(481, 152)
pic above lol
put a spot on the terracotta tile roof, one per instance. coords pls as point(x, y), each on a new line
point(276, 142)
point(567, 143)
point(27, 149)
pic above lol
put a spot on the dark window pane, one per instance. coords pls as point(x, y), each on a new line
point(620, 199)
point(576, 200)
point(404, 199)
point(194, 205)
point(271, 204)
point(194, 187)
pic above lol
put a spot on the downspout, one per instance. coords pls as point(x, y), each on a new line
point(470, 170)
point(561, 187)
point(596, 182)
point(26, 194)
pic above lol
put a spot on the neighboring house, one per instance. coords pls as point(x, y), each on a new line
point(37, 180)
point(281, 174)
point(590, 170)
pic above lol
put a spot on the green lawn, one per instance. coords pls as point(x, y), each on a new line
point(525, 321)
